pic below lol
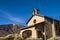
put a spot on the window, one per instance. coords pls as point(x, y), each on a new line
point(34, 21)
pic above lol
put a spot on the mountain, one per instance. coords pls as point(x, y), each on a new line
point(10, 29)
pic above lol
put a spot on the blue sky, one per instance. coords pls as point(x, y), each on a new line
point(19, 11)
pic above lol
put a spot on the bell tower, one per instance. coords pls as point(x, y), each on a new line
point(35, 11)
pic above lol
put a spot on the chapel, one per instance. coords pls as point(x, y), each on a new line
point(39, 26)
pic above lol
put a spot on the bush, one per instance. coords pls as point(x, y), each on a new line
point(17, 37)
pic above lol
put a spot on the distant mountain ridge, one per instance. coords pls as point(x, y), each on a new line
point(10, 29)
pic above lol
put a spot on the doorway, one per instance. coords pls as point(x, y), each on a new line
point(40, 35)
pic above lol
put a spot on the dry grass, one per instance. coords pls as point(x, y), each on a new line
point(15, 37)
point(11, 37)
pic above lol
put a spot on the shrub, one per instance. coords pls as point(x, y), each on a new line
point(17, 37)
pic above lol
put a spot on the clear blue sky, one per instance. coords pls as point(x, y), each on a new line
point(19, 11)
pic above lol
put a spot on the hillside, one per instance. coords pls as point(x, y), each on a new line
point(9, 29)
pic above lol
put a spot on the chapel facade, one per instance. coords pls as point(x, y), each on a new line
point(39, 26)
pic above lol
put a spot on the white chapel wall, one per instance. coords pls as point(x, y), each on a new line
point(38, 20)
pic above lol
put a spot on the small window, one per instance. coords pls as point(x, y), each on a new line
point(34, 21)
